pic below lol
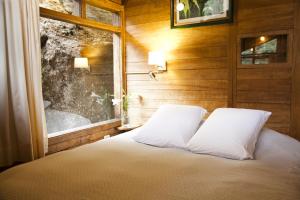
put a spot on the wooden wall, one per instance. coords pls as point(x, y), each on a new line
point(80, 137)
point(265, 87)
point(117, 1)
point(202, 61)
point(296, 77)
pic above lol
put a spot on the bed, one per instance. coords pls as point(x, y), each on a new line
point(120, 168)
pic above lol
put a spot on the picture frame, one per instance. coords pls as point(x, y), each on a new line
point(200, 13)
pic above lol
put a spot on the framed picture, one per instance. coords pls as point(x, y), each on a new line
point(189, 13)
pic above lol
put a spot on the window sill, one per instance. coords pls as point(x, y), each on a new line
point(91, 126)
point(75, 137)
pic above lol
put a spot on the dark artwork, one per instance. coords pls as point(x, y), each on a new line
point(200, 12)
point(193, 10)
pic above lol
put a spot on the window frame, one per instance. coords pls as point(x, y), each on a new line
point(119, 31)
point(288, 62)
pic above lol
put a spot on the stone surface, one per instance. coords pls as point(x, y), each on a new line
point(64, 6)
point(60, 121)
point(70, 90)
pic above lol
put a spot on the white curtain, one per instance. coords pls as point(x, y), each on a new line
point(22, 120)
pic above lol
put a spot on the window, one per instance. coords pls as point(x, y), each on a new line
point(80, 67)
point(264, 49)
point(72, 7)
point(101, 15)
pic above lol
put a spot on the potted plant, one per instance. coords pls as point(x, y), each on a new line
point(124, 100)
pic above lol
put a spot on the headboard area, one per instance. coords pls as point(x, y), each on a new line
point(204, 64)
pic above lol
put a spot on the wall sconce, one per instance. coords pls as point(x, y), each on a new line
point(157, 58)
point(82, 63)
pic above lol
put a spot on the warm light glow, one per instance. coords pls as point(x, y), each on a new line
point(180, 6)
point(157, 58)
point(262, 38)
point(81, 63)
point(165, 40)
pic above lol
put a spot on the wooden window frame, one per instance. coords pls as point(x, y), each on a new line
point(288, 62)
point(119, 74)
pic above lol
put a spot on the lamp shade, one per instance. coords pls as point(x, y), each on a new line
point(81, 63)
point(157, 58)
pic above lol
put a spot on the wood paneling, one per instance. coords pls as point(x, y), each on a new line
point(266, 87)
point(203, 66)
point(106, 4)
point(296, 74)
point(82, 136)
point(197, 61)
point(117, 1)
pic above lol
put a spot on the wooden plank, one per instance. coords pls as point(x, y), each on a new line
point(149, 18)
point(118, 73)
point(77, 20)
point(155, 103)
point(177, 38)
point(117, 1)
point(232, 57)
point(155, 7)
point(264, 85)
point(185, 52)
point(123, 49)
point(180, 64)
point(83, 9)
point(296, 76)
point(264, 73)
point(264, 96)
point(262, 3)
point(178, 85)
point(196, 74)
point(250, 20)
point(82, 131)
point(180, 95)
point(106, 4)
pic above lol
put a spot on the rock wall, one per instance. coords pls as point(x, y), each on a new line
point(65, 6)
point(72, 90)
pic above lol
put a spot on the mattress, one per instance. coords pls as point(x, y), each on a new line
point(119, 168)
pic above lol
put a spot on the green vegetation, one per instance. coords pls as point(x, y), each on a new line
point(198, 8)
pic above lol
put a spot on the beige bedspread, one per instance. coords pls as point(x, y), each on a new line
point(121, 169)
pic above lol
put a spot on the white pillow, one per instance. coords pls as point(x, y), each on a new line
point(171, 126)
point(230, 133)
point(278, 150)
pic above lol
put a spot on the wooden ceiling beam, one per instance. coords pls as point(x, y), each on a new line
point(107, 5)
point(44, 12)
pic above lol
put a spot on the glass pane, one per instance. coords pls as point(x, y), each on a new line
point(101, 15)
point(71, 7)
point(268, 47)
point(247, 52)
point(260, 61)
point(264, 49)
point(247, 61)
point(76, 93)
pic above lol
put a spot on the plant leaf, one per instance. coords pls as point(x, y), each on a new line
point(186, 7)
point(196, 3)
